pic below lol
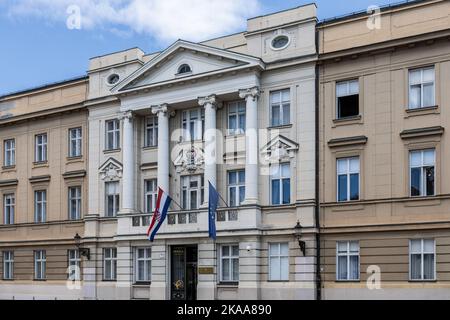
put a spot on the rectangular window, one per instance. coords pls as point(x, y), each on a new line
point(40, 262)
point(9, 207)
point(280, 178)
point(112, 134)
point(8, 265)
point(279, 261)
point(75, 142)
point(236, 187)
point(40, 154)
point(151, 194)
point(192, 192)
point(280, 107)
point(347, 95)
point(40, 206)
point(193, 124)
point(143, 264)
point(422, 172)
point(236, 117)
point(112, 198)
point(347, 261)
point(229, 263)
point(348, 179)
point(74, 203)
point(10, 153)
point(109, 264)
point(422, 258)
point(421, 88)
point(151, 131)
point(74, 263)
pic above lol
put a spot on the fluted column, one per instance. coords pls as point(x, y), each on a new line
point(251, 144)
point(163, 145)
point(210, 105)
point(128, 184)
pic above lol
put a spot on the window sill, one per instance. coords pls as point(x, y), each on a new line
point(347, 121)
point(75, 159)
point(9, 168)
point(347, 281)
point(228, 284)
point(422, 111)
point(8, 280)
point(149, 148)
point(40, 280)
point(234, 135)
point(112, 280)
point(283, 126)
point(278, 281)
point(107, 151)
point(423, 281)
point(40, 164)
point(143, 284)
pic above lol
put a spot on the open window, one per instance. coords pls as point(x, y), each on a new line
point(347, 94)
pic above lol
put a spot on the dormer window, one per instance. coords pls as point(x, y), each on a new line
point(184, 68)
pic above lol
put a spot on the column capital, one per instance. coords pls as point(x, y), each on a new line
point(126, 115)
point(212, 100)
point(162, 108)
point(253, 93)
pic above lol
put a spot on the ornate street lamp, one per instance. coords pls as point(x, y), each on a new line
point(298, 234)
point(83, 251)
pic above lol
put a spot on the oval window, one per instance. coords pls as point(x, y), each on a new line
point(113, 79)
point(280, 42)
point(184, 68)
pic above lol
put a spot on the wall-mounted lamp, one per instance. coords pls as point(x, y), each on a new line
point(298, 235)
point(85, 252)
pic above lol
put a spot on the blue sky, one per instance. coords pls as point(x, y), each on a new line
point(37, 47)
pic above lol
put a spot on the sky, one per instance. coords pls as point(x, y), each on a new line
point(45, 41)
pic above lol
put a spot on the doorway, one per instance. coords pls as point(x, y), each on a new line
point(184, 273)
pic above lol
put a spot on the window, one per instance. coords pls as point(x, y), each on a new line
point(75, 138)
point(192, 192)
point(9, 205)
point(280, 104)
point(280, 177)
point(236, 187)
point(348, 179)
point(421, 88)
point(40, 206)
point(113, 79)
point(280, 42)
point(236, 117)
point(112, 134)
point(10, 153)
point(229, 263)
point(74, 262)
point(151, 131)
point(421, 164)
point(422, 258)
point(112, 198)
point(151, 194)
point(109, 264)
point(8, 265)
point(40, 261)
point(279, 261)
point(143, 264)
point(74, 203)
point(347, 260)
point(193, 124)
point(347, 95)
point(184, 68)
point(40, 154)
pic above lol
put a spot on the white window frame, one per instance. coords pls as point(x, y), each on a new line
point(349, 92)
point(77, 199)
point(422, 83)
point(186, 190)
point(188, 122)
point(237, 186)
point(422, 253)
point(147, 261)
point(9, 208)
point(116, 195)
point(75, 142)
point(236, 109)
point(229, 257)
point(282, 104)
point(278, 256)
point(40, 257)
point(151, 129)
point(8, 265)
point(114, 132)
point(112, 259)
point(40, 216)
point(348, 254)
point(348, 173)
point(279, 176)
point(423, 191)
point(74, 260)
point(150, 195)
point(10, 152)
point(40, 154)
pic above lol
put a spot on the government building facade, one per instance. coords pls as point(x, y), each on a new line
point(325, 140)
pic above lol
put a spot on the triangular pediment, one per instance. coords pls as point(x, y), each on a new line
point(111, 170)
point(279, 148)
point(202, 61)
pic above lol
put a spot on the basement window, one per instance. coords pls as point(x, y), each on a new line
point(347, 94)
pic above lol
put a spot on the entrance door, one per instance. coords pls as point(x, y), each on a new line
point(184, 273)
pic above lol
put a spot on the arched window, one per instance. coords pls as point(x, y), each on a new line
point(184, 68)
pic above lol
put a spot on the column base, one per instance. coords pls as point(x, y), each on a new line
point(247, 202)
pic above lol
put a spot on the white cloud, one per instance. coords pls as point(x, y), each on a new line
point(166, 20)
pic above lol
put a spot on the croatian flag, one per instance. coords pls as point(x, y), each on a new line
point(160, 214)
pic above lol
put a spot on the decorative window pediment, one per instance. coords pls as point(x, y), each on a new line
point(279, 148)
point(111, 170)
point(189, 159)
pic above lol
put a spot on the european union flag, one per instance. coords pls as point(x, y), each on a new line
point(212, 210)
